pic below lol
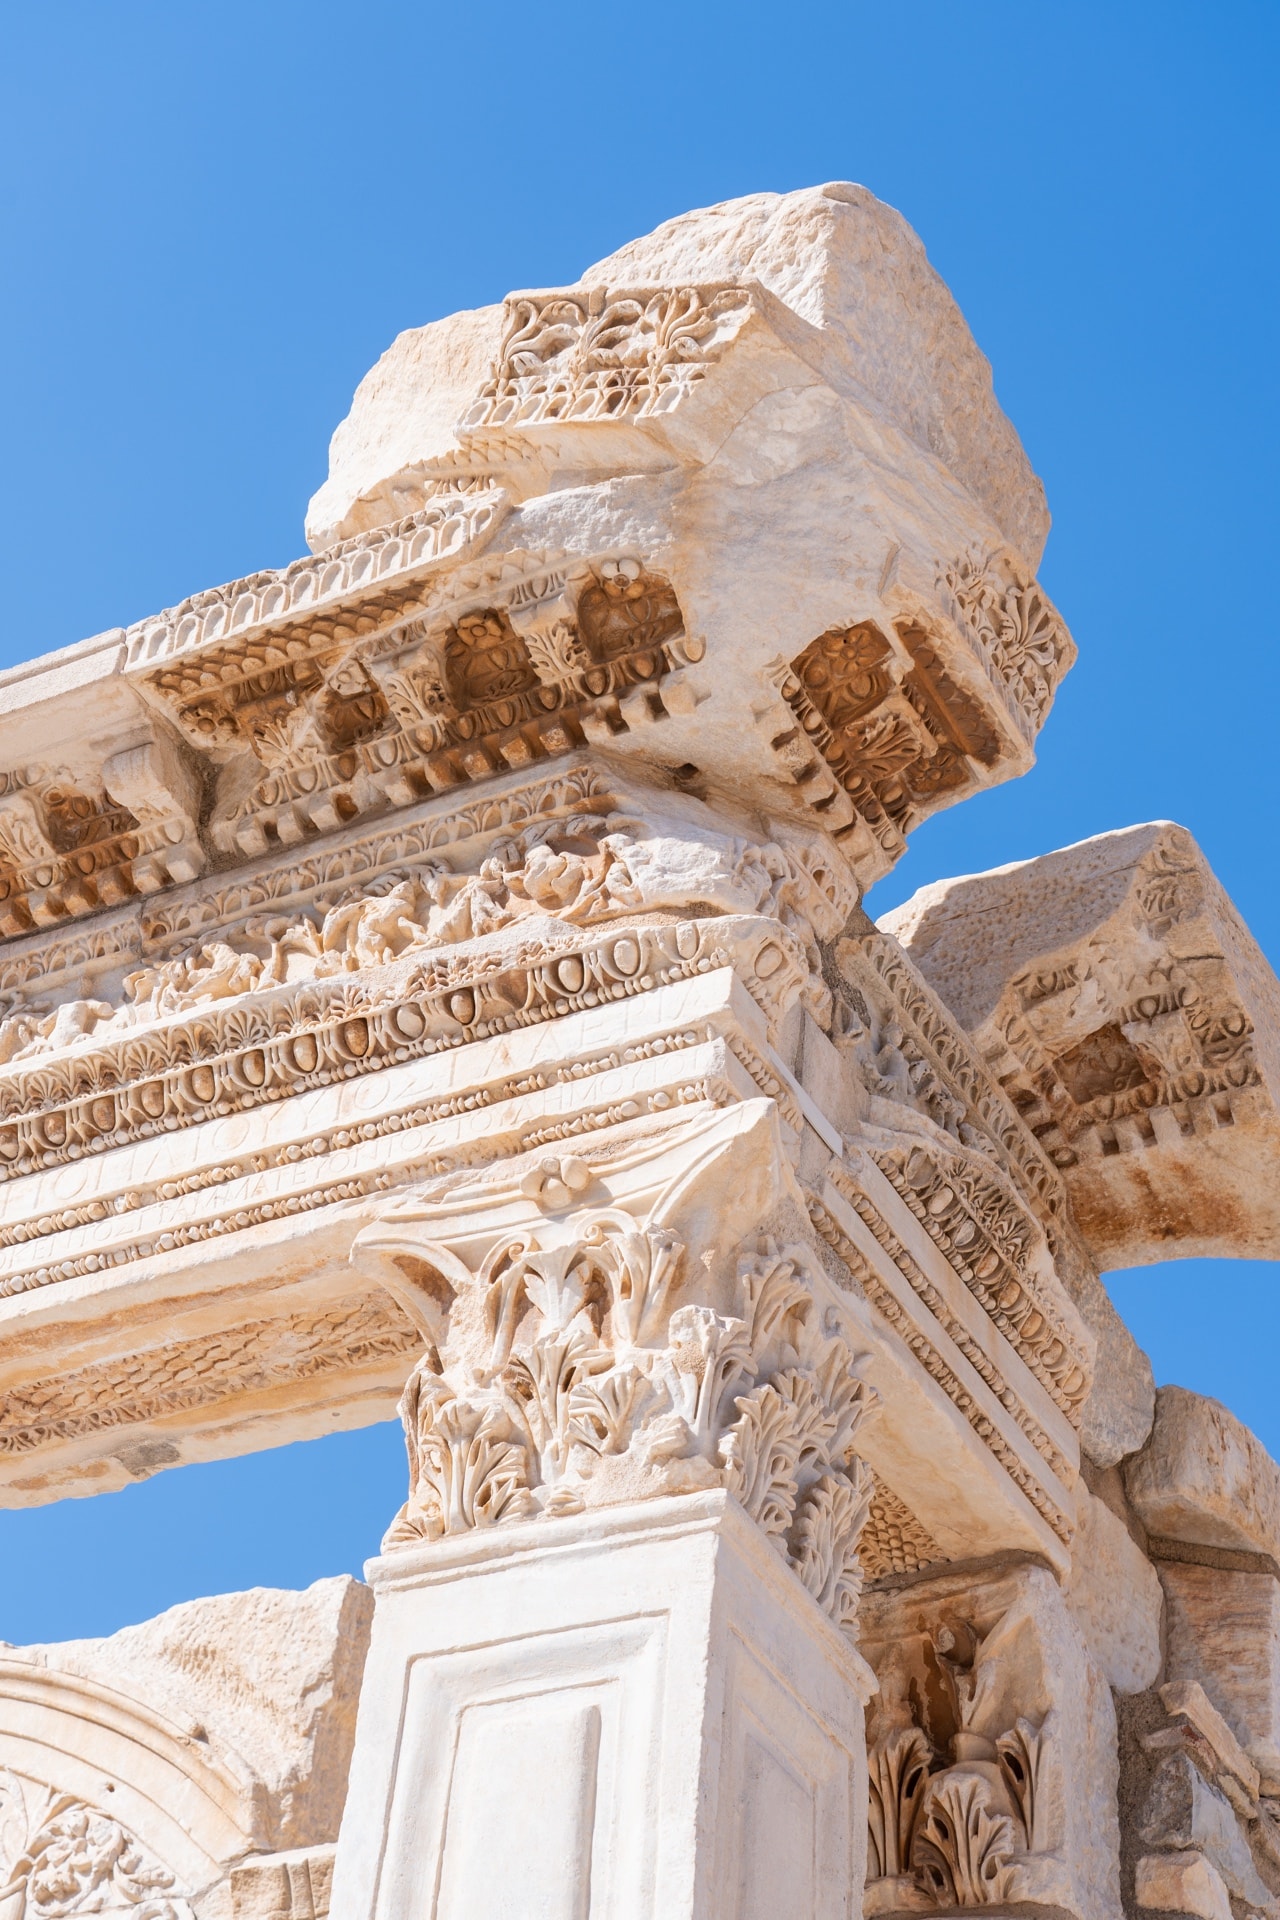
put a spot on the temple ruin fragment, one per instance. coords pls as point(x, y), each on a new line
point(434, 975)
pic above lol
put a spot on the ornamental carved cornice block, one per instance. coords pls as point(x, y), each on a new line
point(1127, 1012)
point(606, 541)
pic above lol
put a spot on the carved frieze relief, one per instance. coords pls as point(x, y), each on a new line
point(198, 1373)
point(283, 1042)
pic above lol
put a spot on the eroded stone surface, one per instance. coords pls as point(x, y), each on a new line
point(1116, 1597)
point(1120, 1000)
point(269, 1676)
point(1204, 1478)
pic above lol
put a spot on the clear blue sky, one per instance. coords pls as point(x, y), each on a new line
point(216, 216)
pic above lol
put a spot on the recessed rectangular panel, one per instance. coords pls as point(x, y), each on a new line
point(521, 1811)
point(777, 1858)
point(526, 1777)
point(789, 1801)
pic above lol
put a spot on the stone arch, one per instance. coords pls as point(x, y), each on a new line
point(194, 1810)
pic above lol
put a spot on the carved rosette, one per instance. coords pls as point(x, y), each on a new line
point(583, 1368)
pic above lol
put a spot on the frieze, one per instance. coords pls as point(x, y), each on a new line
point(607, 355)
point(278, 1044)
point(255, 1357)
point(203, 1017)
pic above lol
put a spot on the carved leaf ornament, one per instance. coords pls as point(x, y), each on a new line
point(60, 1856)
point(591, 1370)
point(952, 1835)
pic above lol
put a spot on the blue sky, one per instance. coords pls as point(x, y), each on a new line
point(215, 217)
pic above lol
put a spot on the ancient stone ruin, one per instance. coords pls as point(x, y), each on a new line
point(435, 975)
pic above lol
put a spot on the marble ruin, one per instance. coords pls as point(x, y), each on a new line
point(434, 975)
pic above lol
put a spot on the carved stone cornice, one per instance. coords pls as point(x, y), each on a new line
point(303, 601)
point(1130, 1019)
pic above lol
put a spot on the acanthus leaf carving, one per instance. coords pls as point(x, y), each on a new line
point(586, 1383)
point(61, 1856)
point(961, 1784)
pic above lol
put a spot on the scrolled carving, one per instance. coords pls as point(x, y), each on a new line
point(61, 1856)
point(604, 355)
point(570, 1373)
point(1014, 626)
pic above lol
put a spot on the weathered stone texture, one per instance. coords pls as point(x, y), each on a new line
point(434, 973)
point(1117, 995)
point(1203, 1478)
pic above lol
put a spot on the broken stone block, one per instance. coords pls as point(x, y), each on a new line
point(1223, 1629)
point(1127, 1011)
point(1205, 1479)
point(1184, 1811)
point(283, 1886)
point(1181, 1883)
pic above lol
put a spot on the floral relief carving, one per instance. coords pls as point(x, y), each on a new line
point(570, 357)
point(267, 1044)
point(61, 1856)
point(1015, 627)
point(598, 1381)
point(892, 726)
point(270, 997)
point(958, 1816)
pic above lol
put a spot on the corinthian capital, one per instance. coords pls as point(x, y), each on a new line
point(595, 1359)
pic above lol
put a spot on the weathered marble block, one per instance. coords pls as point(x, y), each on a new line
point(1120, 1000)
